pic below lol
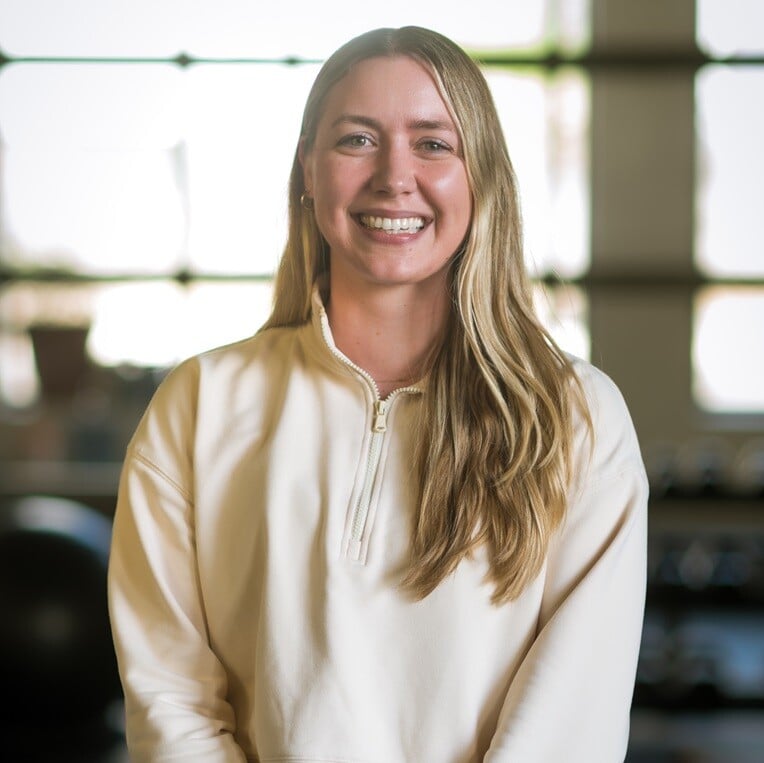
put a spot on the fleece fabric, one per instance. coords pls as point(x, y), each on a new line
point(260, 536)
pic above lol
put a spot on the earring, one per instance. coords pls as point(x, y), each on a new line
point(306, 201)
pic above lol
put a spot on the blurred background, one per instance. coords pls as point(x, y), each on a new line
point(144, 153)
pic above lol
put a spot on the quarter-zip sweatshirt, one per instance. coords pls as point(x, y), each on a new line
point(261, 533)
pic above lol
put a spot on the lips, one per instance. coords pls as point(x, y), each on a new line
point(392, 225)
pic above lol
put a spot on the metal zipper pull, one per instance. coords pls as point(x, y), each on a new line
point(380, 416)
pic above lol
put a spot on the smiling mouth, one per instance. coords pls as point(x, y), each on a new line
point(394, 225)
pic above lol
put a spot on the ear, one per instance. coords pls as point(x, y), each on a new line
point(303, 156)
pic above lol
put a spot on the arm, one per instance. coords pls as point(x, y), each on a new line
point(175, 687)
point(571, 697)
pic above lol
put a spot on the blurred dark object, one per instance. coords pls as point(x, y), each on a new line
point(703, 638)
point(710, 659)
point(723, 568)
point(57, 666)
point(706, 468)
point(61, 359)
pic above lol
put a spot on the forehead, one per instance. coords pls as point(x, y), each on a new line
point(390, 87)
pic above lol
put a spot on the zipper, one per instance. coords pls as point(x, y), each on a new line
point(380, 410)
point(361, 511)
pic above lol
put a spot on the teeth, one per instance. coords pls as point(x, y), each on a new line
point(393, 224)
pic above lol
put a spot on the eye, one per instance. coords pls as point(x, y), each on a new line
point(355, 140)
point(434, 146)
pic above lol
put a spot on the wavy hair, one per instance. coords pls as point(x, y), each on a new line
point(494, 441)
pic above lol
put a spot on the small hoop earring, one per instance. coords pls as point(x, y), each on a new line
point(306, 201)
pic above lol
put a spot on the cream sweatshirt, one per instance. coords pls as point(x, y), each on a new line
point(260, 536)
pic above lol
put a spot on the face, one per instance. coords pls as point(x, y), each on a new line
point(387, 176)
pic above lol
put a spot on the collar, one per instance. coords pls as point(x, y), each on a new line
point(319, 320)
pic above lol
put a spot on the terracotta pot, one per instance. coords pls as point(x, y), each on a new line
point(61, 358)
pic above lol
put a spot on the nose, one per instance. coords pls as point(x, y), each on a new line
point(395, 171)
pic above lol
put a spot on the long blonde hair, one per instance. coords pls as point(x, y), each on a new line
point(494, 447)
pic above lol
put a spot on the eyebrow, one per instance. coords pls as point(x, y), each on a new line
point(416, 124)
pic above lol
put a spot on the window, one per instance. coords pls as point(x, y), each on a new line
point(728, 318)
point(727, 349)
point(139, 167)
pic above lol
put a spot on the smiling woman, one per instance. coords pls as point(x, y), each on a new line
point(393, 203)
point(398, 524)
point(381, 156)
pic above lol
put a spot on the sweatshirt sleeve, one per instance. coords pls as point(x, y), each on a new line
point(175, 687)
point(571, 697)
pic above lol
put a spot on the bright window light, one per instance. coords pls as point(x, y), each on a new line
point(546, 123)
point(241, 28)
point(728, 362)
point(90, 175)
point(238, 161)
point(173, 322)
point(730, 27)
point(730, 164)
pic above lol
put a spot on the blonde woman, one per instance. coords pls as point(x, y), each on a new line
point(398, 525)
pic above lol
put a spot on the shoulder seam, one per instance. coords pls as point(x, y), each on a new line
point(146, 461)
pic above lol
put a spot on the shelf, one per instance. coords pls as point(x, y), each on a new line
point(61, 478)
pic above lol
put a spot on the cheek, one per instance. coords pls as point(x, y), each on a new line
point(335, 186)
point(453, 195)
point(451, 186)
point(330, 209)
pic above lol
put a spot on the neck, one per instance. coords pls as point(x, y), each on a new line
point(389, 332)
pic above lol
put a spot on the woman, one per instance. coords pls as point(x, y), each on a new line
point(398, 524)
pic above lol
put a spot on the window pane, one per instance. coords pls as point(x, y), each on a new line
point(93, 27)
point(574, 24)
point(239, 154)
point(273, 32)
point(546, 122)
point(728, 362)
point(729, 207)
point(730, 27)
point(243, 28)
point(175, 322)
point(90, 174)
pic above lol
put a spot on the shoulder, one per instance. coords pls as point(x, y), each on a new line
point(606, 403)
point(265, 349)
point(612, 444)
point(211, 383)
